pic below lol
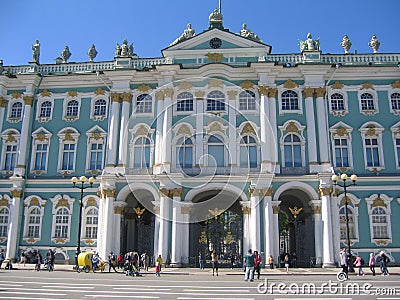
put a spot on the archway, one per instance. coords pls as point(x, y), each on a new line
point(296, 228)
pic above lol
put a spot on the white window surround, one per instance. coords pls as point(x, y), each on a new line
point(40, 101)
point(43, 136)
point(67, 135)
point(294, 127)
point(343, 93)
point(176, 100)
point(95, 135)
point(256, 102)
point(134, 102)
point(89, 202)
point(11, 102)
point(390, 93)
point(253, 132)
point(30, 203)
point(140, 130)
point(182, 130)
point(65, 105)
point(343, 131)
point(61, 201)
point(352, 204)
point(10, 137)
point(368, 112)
point(380, 201)
point(223, 101)
point(373, 130)
point(396, 136)
point(92, 107)
point(297, 90)
point(6, 203)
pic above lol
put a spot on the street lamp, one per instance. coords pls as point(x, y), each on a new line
point(81, 187)
point(344, 178)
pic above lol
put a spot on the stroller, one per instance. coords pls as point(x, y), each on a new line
point(131, 270)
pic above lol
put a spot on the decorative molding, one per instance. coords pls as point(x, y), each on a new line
point(99, 91)
point(337, 85)
point(45, 93)
point(126, 97)
point(290, 84)
point(16, 95)
point(292, 128)
point(215, 82)
point(143, 88)
point(91, 202)
point(248, 129)
point(275, 209)
point(72, 93)
point(115, 97)
point(316, 209)
point(3, 102)
point(232, 95)
point(200, 95)
point(184, 86)
point(378, 202)
point(4, 202)
point(185, 210)
point(367, 85)
point(216, 57)
point(247, 84)
point(160, 95)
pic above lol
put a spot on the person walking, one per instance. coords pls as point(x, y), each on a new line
point(2, 257)
point(159, 263)
point(112, 262)
point(271, 261)
point(344, 262)
point(286, 262)
point(257, 263)
point(39, 261)
point(249, 262)
point(201, 261)
point(371, 263)
point(383, 262)
point(145, 261)
point(23, 258)
point(214, 262)
point(359, 263)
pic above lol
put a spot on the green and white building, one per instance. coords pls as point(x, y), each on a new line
point(217, 144)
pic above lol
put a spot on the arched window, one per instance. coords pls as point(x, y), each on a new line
point(141, 153)
point(290, 100)
point(215, 101)
point(337, 102)
point(343, 230)
point(184, 153)
point(247, 100)
point(45, 109)
point(34, 223)
point(62, 223)
point(395, 101)
point(292, 150)
point(216, 151)
point(367, 101)
point(144, 103)
point(16, 110)
point(100, 108)
point(72, 108)
point(248, 152)
point(379, 223)
point(91, 223)
point(184, 102)
point(4, 217)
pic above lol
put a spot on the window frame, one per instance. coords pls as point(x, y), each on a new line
point(244, 101)
point(66, 102)
point(62, 202)
point(10, 137)
point(66, 136)
point(396, 137)
point(299, 109)
point(368, 111)
point(148, 100)
point(381, 201)
point(218, 104)
point(93, 115)
point(4, 226)
point(342, 131)
point(184, 101)
point(40, 136)
point(31, 203)
point(95, 135)
point(11, 118)
point(373, 130)
point(396, 110)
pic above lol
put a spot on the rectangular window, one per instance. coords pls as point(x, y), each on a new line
point(367, 104)
point(10, 157)
point(33, 231)
point(41, 156)
point(398, 151)
point(215, 105)
point(68, 157)
point(372, 152)
point(341, 153)
point(184, 105)
point(380, 232)
point(96, 156)
point(3, 230)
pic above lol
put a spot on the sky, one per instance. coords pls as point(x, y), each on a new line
point(151, 25)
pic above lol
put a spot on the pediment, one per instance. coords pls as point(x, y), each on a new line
point(231, 43)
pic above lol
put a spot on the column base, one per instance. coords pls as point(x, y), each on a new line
point(329, 265)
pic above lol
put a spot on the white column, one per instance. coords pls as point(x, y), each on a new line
point(268, 224)
point(3, 104)
point(264, 130)
point(156, 228)
point(108, 221)
point(185, 211)
point(23, 143)
point(159, 129)
point(101, 229)
point(311, 138)
point(123, 130)
point(199, 127)
point(318, 234)
point(335, 226)
point(322, 127)
point(232, 129)
point(273, 141)
point(275, 235)
point(246, 226)
point(118, 212)
point(176, 238)
point(328, 259)
point(163, 234)
point(255, 220)
point(112, 141)
point(167, 128)
point(15, 208)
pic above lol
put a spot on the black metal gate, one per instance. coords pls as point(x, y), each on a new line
point(223, 233)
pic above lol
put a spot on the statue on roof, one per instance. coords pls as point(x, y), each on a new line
point(309, 44)
point(249, 34)
point(92, 53)
point(124, 50)
point(346, 44)
point(187, 33)
point(374, 43)
point(65, 54)
point(36, 52)
point(215, 19)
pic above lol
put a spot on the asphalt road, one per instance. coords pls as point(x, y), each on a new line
point(25, 284)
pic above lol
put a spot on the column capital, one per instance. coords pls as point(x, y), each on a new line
point(28, 100)
point(199, 95)
point(185, 210)
point(232, 95)
point(275, 209)
point(126, 97)
point(320, 92)
point(272, 92)
point(115, 97)
point(325, 191)
point(119, 207)
point(160, 95)
point(16, 193)
point(3, 102)
point(308, 92)
point(108, 193)
point(246, 210)
point(263, 90)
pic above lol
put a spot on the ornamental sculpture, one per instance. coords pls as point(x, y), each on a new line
point(346, 44)
point(124, 50)
point(92, 53)
point(65, 54)
point(215, 19)
point(36, 52)
point(248, 34)
point(309, 44)
point(374, 43)
point(187, 33)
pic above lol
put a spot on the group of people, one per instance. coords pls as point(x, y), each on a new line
point(382, 259)
point(252, 263)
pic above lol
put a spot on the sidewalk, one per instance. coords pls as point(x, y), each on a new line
point(225, 271)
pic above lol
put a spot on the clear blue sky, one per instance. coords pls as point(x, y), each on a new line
point(153, 24)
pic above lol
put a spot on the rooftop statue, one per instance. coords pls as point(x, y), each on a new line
point(249, 34)
point(36, 52)
point(92, 53)
point(215, 19)
point(124, 50)
point(65, 54)
point(309, 44)
point(374, 43)
point(187, 33)
point(346, 44)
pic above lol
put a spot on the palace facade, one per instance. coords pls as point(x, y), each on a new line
point(218, 144)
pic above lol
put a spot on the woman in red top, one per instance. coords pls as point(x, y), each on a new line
point(257, 263)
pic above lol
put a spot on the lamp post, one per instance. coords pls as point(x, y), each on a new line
point(345, 185)
point(81, 187)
